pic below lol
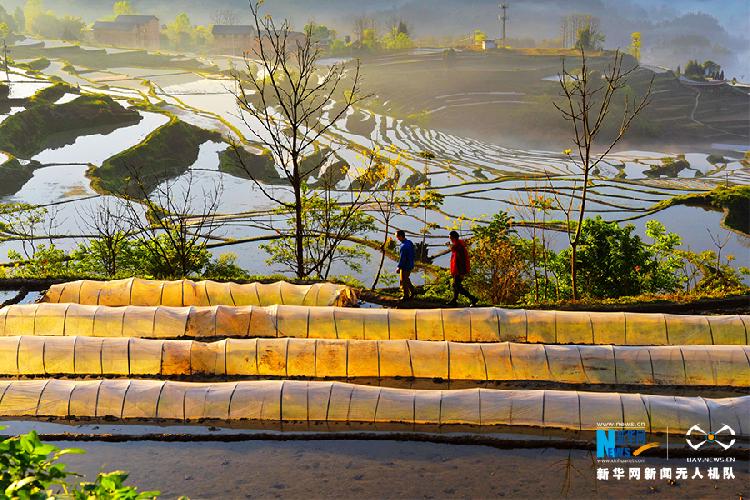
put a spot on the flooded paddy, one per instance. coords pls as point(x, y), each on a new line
point(476, 177)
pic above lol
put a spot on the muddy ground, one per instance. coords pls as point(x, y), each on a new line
point(381, 469)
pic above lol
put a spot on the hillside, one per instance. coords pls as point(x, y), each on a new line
point(507, 98)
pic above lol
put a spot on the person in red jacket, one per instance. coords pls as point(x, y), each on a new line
point(460, 267)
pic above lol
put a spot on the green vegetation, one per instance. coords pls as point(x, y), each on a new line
point(98, 59)
point(13, 175)
point(670, 167)
point(118, 251)
point(327, 225)
point(51, 94)
point(367, 40)
point(733, 200)
point(45, 23)
point(8, 24)
point(36, 65)
point(589, 37)
point(44, 125)
point(709, 69)
point(240, 162)
point(135, 257)
point(612, 263)
point(166, 153)
point(183, 35)
point(31, 469)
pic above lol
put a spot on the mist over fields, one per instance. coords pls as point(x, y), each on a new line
point(673, 32)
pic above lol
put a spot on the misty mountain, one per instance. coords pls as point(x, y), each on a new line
point(672, 33)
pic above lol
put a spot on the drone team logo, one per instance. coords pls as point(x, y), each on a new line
point(697, 437)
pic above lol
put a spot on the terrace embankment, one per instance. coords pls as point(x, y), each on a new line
point(13, 175)
point(166, 153)
point(240, 162)
point(45, 125)
point(734, 201)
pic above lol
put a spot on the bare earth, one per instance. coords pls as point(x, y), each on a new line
point(379, 469)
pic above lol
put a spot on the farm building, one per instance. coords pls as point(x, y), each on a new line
point(292, 39)
point(129, 31)
point(232, 39)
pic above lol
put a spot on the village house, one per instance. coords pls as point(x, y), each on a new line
point(232, 39)
point(293, 38)
point(132, 31)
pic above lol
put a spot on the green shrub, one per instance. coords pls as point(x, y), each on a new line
point(31, 469)
point(225, 267)
point(166, 153)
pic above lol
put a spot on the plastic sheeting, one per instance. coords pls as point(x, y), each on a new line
point(331, 402)
point(138, 292)
point(319, 358)
point(458, 325)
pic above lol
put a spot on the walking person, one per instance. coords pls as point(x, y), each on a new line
point(460, 267)
point(405, 264)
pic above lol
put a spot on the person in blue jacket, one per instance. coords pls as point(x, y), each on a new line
point(405, 264)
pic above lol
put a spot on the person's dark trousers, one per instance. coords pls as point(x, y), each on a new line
point(406, 287)
point(458, 289)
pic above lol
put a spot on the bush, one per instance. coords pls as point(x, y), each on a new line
point(500, 262)
point(611, 261)
point(46, 262)
point(225, 268)
point(31, 469)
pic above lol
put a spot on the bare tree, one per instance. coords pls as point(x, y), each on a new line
point(225, 17)
point(109, 225)
point(27, 224)
point(587, 100)
point(175, 222)
point(387, 200)
point(361, 24)
point(292, 105)
point(5, 62)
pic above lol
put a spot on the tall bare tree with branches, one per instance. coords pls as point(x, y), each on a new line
point(109, 224)
point(290, 104)
point(225, 17)
point(175, 222)
point(586, 104)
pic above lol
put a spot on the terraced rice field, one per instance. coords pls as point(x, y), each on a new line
point(478, 178)
point(320, 368)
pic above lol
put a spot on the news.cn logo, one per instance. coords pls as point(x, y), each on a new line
point(621, 444)
point(695, 433)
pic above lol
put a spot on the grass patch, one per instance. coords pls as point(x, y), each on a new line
point(51, 94)
point(669, 167)
point(241, 163)
point(13, 175)
point(99, 59)
point(166, 153)
point(38, 64)
point(733, 200)
point(45, 125)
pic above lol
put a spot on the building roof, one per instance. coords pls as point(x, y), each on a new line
point(233, 29)
point(124, 23)
point(135, 19)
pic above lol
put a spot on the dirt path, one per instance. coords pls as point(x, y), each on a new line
point(380, 469)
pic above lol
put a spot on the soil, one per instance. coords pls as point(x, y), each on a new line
point(381, 469)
